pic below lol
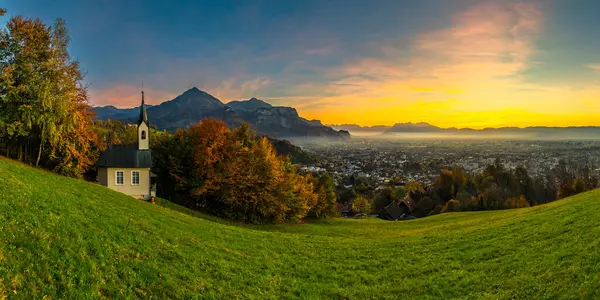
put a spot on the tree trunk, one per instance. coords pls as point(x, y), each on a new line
point(37, 162)
point(26, 154)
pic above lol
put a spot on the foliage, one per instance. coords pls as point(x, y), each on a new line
point(424, 206)
point(326, 205)
point(451, 206)
point(361, 205)
point(516, 202)
point(383, 198)
point(235, 175)
point(44, 115)
point(500, 188)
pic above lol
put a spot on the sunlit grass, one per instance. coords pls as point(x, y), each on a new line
point(71, 239)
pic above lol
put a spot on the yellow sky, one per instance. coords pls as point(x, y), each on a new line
point(467, 75)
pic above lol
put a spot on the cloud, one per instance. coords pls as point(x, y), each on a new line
point(126, 95)
point(472, 65)
point(240, 87)
point(492, 40)
point(255, 84)
point(595, 67)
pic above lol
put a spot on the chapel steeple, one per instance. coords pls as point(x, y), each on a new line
point(143, 114)
point(143, 127)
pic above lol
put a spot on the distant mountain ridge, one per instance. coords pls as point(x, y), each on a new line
point(358, 128)
point(426, 127)
point(585, 132)
point(194, 105)
point(111, 112)
point(251, 104)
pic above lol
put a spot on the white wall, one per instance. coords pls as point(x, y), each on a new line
point(143, 144)
point(141, 191)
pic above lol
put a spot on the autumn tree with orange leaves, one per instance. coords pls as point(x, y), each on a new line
point(233, 174)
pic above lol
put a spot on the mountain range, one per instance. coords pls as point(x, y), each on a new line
point(584, 132)
point(194, 105)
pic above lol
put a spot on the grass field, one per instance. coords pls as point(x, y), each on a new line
point(71, 239)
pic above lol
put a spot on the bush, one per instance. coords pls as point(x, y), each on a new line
point(516, 202)
point(451, 206)
point(361, 205)
point(437, 210)
point(424, 207)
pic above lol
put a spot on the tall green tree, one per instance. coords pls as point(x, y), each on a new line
point(44, 115)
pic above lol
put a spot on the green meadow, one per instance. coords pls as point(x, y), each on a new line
point(66, 238)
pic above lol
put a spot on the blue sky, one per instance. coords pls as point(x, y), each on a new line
point(346, 61)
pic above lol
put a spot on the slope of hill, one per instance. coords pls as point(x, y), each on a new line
point(194, 105)
point(71, 239)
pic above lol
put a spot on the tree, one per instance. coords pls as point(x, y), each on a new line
point(424, 206)
point(361, 205)
point(327, 199)
point(236, 175)
point(44, 115)
point(565, 179)
point(579, 186)
point(516, 202)
point(444, 186)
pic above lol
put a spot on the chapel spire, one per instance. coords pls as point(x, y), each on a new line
point(143, 114)
point(143, 127)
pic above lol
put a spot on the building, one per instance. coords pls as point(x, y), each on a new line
point(395, 211)
point(126, 168)
point(401, 210)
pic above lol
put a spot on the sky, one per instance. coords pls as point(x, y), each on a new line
point(451, 63)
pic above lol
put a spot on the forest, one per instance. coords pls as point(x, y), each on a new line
point(497, 187)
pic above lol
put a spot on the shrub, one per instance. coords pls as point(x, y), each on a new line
point(451, 206)
point(361, 205)
point(516, 202)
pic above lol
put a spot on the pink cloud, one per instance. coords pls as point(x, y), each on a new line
point(239, 87)
point(485, 46)
point(126, 95)
point(494, 39)
point(595, 67)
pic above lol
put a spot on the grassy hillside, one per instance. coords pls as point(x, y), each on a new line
point(70, 239)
